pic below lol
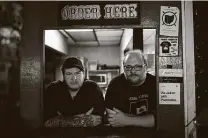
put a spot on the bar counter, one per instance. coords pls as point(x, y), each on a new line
point(101, 131)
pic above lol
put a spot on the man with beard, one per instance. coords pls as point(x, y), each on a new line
point(75, 101)
point(131, 96)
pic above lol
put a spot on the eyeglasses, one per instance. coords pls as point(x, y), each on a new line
point(135, 67)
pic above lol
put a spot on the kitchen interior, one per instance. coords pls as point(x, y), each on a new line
point(100, 50)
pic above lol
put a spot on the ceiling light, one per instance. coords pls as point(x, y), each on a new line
point(79, 30)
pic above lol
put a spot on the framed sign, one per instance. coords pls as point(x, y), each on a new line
point(169, 21)
point(169, 93)
point(98, 13)
point(168, 46)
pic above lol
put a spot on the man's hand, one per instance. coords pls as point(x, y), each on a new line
point(117, 118)
point(92, 120)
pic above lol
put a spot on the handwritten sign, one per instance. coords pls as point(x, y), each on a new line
point(98, 13)
point(169, 93)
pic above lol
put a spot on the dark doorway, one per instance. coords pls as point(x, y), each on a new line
point(201, 68)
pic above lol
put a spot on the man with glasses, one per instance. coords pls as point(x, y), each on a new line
point(131, 97)
point(75, 101)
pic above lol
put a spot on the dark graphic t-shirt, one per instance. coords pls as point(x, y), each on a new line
point(137, 100)
point(165, 47)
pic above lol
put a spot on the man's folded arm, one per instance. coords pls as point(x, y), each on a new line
point(81, 121)
point(141, 121)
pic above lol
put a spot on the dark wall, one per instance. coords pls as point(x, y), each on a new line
point(170, 117)
point(10, 43)
point(51, 57)
point(201, 68)
point(39, 15)
point(201, 56)
point(138, 38)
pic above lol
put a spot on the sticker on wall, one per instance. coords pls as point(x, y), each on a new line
point(169, 93)
point(170, 63)
point(168, 46)
point(171, 79)
point(170, 73)
point(169, 21)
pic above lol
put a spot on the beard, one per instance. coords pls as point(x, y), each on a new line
point(74, 86)
point(135, 79)
point(73, 89)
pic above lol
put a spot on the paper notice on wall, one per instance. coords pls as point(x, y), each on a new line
point(170, 73)
point(169, 21)
point(168, 46)
point(169, 93)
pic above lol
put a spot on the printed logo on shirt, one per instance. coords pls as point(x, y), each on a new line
point(143, 96)
point(141, 110)
point(138, 105)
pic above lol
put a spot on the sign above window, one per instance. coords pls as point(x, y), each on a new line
point(99, 13)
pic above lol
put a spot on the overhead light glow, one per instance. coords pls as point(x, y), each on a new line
point(79, 30)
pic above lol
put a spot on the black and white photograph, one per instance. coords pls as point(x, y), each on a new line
point(103, 69)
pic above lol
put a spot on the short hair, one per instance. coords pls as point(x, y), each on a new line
point(139, 52)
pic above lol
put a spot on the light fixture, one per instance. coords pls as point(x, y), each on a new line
point(79, 30)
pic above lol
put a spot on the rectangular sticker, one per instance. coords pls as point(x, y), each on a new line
point(168, 46)
point(169, 21)
point(169, 93)
point(171, 79)
point(170, 63)
point(170, 73)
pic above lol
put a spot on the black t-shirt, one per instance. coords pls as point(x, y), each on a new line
point(165, 47)
point(137, 100)
point(58, 99)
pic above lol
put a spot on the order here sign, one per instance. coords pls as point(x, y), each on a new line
point(100, 13)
